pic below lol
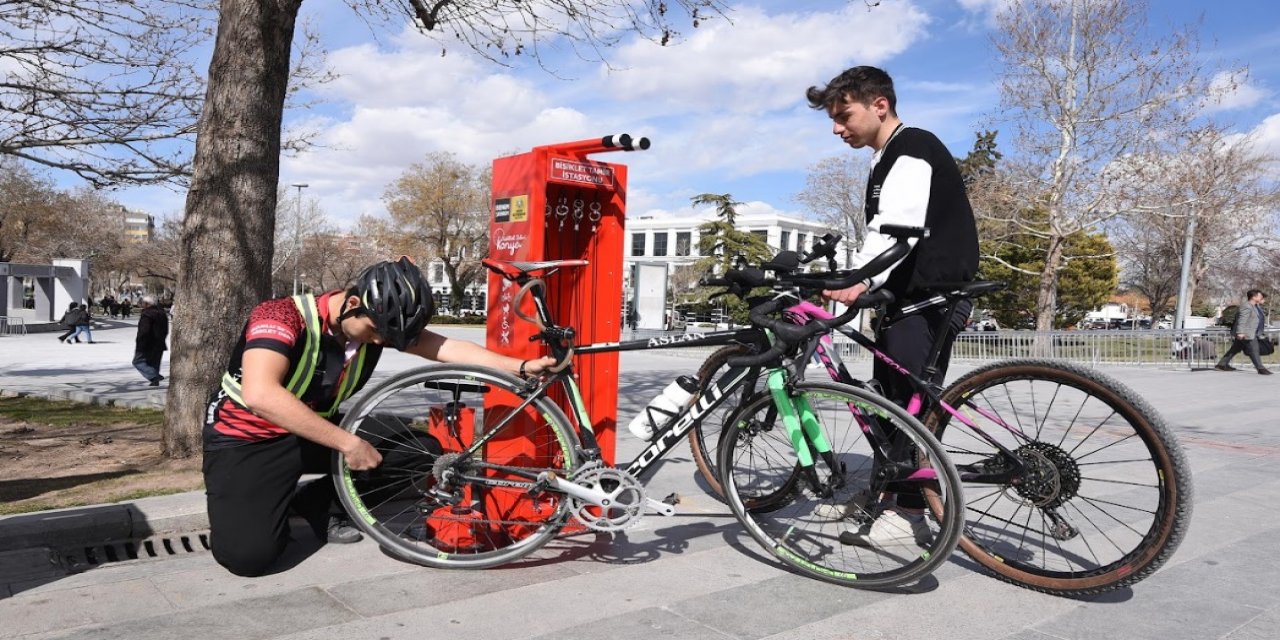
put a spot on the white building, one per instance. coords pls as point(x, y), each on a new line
point(670, 241)
point(674, 241)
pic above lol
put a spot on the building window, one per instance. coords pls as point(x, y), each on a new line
point(800, 243)
point(437, 273)
point(660, 243)
point(637, 244)
point(786, 241)
point(682, 242)
point(763, 235)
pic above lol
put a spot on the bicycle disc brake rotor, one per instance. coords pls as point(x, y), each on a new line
point(626, 498)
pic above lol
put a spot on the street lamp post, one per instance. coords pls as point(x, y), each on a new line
point(297, 236)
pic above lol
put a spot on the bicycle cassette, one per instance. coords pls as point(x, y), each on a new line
point(624, 502)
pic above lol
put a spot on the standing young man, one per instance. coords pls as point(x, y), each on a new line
point(914, 182)
point(274, 418)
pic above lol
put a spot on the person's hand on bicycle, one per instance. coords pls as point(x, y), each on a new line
point(846, 296)
point(360, 455)
point(534, 367)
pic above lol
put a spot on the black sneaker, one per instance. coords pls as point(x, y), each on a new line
point(341, 531)
point(1224, 367)
point(1264, 371)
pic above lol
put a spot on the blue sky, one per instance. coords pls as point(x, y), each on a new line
point(725, 109)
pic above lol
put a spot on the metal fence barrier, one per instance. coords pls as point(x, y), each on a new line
point(1166, 348)
point(13, 325)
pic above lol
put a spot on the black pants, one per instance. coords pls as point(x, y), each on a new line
point(249, 491)
point(1248, 347)
point(70, 330)
point(908, 342)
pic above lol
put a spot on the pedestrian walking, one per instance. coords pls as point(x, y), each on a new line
point(69, 320)
point(149, 346)
point(1249, 329)
point(83, 325)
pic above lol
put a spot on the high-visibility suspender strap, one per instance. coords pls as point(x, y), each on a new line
point(351, 377)
point(306, 368)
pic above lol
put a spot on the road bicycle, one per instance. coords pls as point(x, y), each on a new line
point(1074, 484)
point(481, 468)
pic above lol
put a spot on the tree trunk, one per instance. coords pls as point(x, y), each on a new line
point(228, 229)
point(1047, 301)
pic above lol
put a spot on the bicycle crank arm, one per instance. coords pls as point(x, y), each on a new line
point(553, 481)
point(659, 507)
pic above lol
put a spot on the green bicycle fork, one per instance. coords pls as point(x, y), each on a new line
point(803, 429)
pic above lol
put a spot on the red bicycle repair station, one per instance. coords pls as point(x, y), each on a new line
point(556, 203)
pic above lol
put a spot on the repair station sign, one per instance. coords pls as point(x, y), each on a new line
point(580, 172)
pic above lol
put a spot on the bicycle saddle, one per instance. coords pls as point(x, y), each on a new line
point(513, 270)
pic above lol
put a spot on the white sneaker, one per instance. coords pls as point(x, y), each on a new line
point(891, 529)
point(859, 504)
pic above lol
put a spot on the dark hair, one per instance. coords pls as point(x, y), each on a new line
point(1252, 293)
point(860, 84)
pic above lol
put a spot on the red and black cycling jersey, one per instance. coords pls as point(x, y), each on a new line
point(277, 325)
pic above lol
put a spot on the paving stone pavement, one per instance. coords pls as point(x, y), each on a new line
point(695, 575)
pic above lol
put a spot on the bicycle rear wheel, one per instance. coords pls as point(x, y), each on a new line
point(1105, 496)
point(704, 437)
point(757, 458)
point(421, 420)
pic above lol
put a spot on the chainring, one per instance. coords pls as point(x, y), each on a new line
point(626, 496)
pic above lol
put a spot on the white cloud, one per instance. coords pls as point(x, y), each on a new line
point(1266, 137)
point(707, 213)
point(759, 62)
point(984, 12)
point(1232, 90)
point(726, 102)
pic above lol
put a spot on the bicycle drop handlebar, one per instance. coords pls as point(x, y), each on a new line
point(788, 335)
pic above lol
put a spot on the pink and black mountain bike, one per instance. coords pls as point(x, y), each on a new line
point(1073, 485)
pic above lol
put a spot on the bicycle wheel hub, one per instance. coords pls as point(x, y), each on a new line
point(1051, 475)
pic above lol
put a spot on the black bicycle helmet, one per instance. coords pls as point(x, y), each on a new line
point(398, 299)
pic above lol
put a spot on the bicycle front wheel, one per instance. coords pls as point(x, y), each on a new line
point(429, 504)
point(757, 458)
point(1103, 497)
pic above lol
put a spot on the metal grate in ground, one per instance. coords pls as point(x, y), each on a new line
point(83, 558)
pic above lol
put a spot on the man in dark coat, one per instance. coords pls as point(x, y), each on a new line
point(153, 329)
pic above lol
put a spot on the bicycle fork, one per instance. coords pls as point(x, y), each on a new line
point(805, 433)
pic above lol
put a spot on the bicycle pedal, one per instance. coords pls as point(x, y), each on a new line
point(672, 499)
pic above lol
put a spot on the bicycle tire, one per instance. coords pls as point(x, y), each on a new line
point(1132, 466)
point(803, 533)
point(704, 438)
point(411, 420)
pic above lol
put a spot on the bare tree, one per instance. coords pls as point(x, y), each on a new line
point(1215, 186)
point(440, 211)
point(301, 239)
point(228, 228)
point(834, 191)
point(1084, 86)
point(25, 200)
point(102, 88)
